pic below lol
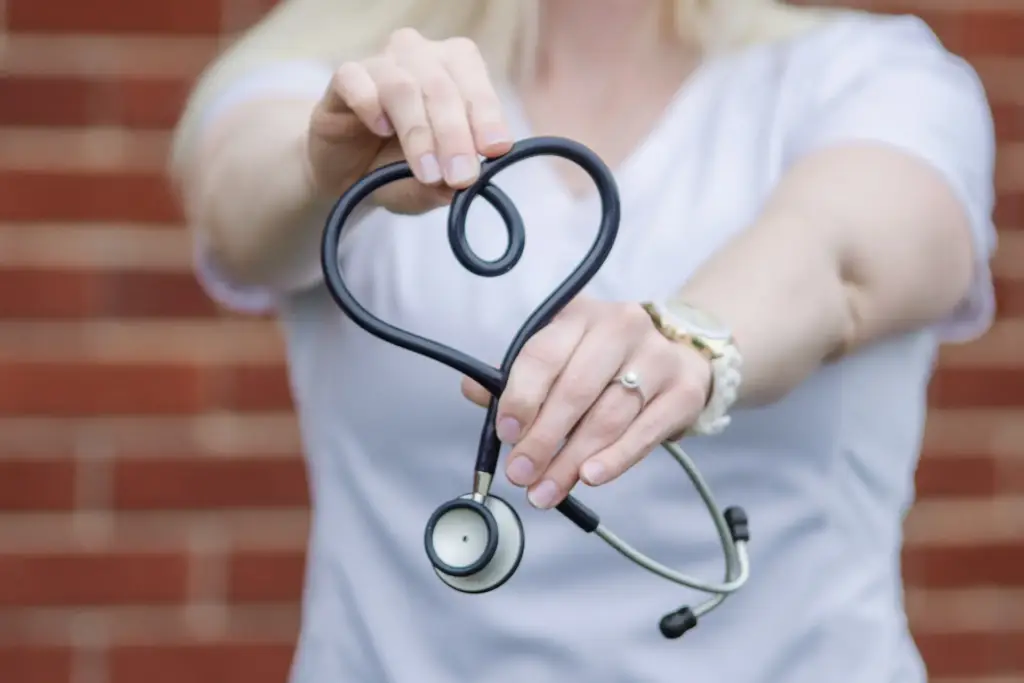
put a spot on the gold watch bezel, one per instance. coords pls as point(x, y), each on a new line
point(710, 347)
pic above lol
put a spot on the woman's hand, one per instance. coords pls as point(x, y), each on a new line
point(428, 102)
point(563, 387)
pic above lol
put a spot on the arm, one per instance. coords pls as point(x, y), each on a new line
point(285, 142)
point(889, 253)
point(249, 195)
point(240, 165)
point(887, 196)
point(879, 224)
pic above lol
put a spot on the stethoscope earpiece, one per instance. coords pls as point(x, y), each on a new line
point(475, 547)
point(475, 542)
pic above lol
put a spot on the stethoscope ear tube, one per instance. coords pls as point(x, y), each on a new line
point(491, 548)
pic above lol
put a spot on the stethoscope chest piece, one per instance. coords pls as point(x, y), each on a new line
point(475, 547)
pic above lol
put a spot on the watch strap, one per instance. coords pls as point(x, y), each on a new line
point(726, 365)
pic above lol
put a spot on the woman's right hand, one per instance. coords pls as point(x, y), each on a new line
point(430, 103)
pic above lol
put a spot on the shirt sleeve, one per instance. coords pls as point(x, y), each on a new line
point(890, 80)
point(285, 79)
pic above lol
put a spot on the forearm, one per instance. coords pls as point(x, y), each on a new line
point(787, 314)
point(249, 194)
point(823, 272)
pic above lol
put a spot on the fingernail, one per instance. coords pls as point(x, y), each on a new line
point(430, 169)
point(593, 473)
point(543, 496)
point(383, 127)
point(461, 169)
point(508, 430)
point(520, 471)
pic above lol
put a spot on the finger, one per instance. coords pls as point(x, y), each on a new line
point(606, 421)
point(475, 392)
point(654, 424)
point(469, 72)
point(604, 424)
point(584, 376)
point(402, 101)
point(532, 374)
point(353, 88)
point(446, 112)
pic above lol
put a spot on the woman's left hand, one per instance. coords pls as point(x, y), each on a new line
point(563, 387)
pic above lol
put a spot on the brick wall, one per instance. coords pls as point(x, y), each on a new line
point(152, 502)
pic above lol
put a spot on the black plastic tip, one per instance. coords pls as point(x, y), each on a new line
point(739, 527)
point(677, 623)
point(579, 514)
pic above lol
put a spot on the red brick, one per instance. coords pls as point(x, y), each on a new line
point(36, 664)
point(197, 482)
point(43, 294)
point(117, 578)
point(83, 388)
point(68, 389)
point(222, 662)
point(1009, 211)
point(985, 653)
point(966, 566)
point(1009, 297)
point(269, 576)
point(956, 477)
point(37, 484)
point(100, 101)
point(66, 293)
point(114, 16)
point(258, 388)
point(976, 34)
point(1009, 121)
point(977, 387)
point(38, 196)
point(127, 16)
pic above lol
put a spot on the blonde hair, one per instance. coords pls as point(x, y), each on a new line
point(331, 31)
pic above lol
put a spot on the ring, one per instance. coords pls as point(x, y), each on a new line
point(630, 381)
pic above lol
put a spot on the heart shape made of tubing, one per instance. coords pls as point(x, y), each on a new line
point(492, 379)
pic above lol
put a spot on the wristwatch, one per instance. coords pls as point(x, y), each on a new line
point(681, 322)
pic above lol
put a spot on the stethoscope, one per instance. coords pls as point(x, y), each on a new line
point(475, 542)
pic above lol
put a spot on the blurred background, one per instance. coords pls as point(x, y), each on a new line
point(152, 496)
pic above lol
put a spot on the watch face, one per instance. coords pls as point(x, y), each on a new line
point(699, 322)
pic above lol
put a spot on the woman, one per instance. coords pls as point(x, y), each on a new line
point(820, 183)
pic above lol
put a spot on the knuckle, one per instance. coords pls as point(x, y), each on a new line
point(663, 353)
point(438, 87)
point(540, 354)
point(691, 393)
point(462, 47)
point(575, 393)
point(634, 316)
point(398, 84)
point(347, 72)
point(541, 442)
point(417, 139)
point(360, 101)
point(608, 417)
point(448, 130)
point(518, 405)
point(405, 36)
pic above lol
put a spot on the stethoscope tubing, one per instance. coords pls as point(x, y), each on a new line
point(731, 525)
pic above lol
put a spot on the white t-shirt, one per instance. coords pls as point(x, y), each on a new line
point(826, 474)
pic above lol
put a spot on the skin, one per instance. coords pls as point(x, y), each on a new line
point(890, 253)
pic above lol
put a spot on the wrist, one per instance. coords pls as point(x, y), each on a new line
point(719, 366)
